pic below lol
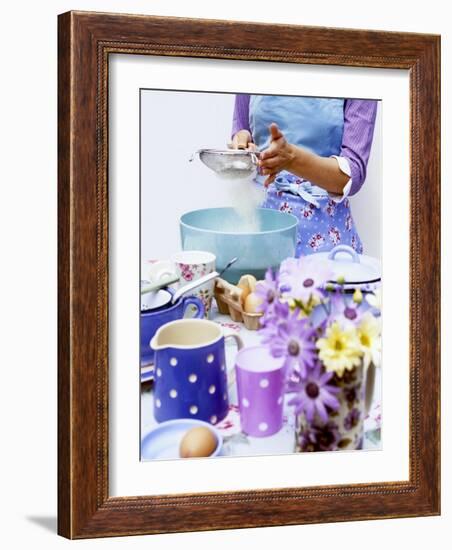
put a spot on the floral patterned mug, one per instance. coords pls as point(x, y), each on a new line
point(192, 265)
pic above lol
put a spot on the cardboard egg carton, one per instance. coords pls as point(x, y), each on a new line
point(230, 302)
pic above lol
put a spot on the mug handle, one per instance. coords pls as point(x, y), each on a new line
point(370, 384)
point(193, 301)
point(229, 333)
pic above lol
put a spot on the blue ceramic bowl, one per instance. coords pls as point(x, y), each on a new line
point(217, 230)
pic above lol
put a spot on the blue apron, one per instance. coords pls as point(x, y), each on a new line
point(316, 124)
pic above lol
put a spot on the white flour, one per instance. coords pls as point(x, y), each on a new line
point(245, 196)
point(237, 170)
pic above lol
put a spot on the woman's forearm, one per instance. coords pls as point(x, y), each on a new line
point(321, 171)
point(281, 155)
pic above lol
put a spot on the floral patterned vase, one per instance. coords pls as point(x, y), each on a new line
point(344, 429)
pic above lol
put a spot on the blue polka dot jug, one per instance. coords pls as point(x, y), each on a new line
point(190, 370)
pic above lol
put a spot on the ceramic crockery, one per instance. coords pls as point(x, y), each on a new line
point(151, 321)
point(191, 265)
point(155, 270)
point(357, 270)
point(345, 428)
point(260, 386)
point(190, 370)
point(223, 232)
point(163, 441)
point(155, 299)
point(159, 275)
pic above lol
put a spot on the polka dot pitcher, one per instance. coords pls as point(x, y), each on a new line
point(190, 370)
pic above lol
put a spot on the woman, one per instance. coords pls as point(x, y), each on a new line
point(315, 151)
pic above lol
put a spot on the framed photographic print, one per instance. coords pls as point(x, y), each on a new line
point(248, 275)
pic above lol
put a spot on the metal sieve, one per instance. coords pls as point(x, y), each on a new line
point(229, 164)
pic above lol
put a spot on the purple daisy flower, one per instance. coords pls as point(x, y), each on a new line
point(273, 317)
point(314, 394)
point(291, 337)
point(268, 291)
point(303, 278)
point(343, 310)
point(319, 437)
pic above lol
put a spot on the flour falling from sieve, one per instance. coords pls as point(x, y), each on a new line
point(245, 197)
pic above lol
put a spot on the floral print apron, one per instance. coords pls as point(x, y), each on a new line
point(315, 124)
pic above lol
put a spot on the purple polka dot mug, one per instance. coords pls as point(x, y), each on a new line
point(260, 386)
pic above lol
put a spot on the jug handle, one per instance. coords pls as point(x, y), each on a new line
point(229, 333)
point(192, 300)
point(370, 384)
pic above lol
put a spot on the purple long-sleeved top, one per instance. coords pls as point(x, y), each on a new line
point(359, 122)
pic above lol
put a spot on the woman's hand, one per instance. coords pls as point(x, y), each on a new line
point(278, 156)
point(243, 140)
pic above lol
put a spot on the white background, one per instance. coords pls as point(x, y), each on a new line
point(174, 125)
point(28, 238)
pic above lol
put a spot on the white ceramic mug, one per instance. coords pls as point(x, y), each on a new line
point(190, 265)
point(156, 270)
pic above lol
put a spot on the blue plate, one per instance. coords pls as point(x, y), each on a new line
point(163, 442)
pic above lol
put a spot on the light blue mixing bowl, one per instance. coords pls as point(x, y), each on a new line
point(218, 230)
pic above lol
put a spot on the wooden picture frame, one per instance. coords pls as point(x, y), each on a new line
point(85, 42)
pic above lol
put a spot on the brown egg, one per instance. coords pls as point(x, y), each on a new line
point(247, 284)
point(198, 442)
point(252, 303)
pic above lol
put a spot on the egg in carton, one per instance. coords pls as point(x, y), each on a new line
point(239, 301)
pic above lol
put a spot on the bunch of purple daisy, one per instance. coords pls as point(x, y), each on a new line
point(290, 328)
point(290, 336)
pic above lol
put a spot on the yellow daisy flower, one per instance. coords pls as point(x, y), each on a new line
point(369, 333)
point(341, 349)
